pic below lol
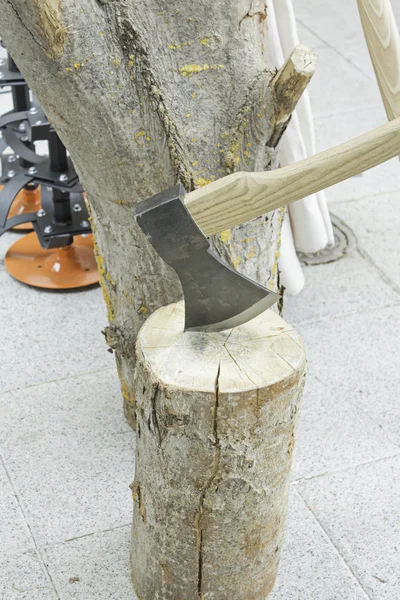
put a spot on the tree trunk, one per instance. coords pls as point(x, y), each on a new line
point(145, 94)
point(215, 432)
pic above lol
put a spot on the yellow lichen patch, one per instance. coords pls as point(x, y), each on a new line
point(226, 236)
point(103, 275)
point(236, 262)
point(116, 62)
point(127, 396)
point(143, 310)
point(195, 163)
point(68, 69)
point(202, 181)
point(178, 46)
point(190, 70)
point(78, 65)
point(250, 255)
point(193, 94)
point(204, 41)
point(194, 139)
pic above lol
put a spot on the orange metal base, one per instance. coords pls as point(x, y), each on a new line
point(61, 268)
point(25, 202)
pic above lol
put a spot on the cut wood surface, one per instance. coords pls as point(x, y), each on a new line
point(383, 39)
point(215, 431)
point(240, 197)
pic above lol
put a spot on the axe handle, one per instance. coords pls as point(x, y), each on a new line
point(239, 197)
point(383, 42)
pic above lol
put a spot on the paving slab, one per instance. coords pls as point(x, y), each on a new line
point(95, 567)
point(334, 434)
point(340, 28)
point(14, 532)
point(376, 223)
point(339, 87)
point(70, 469)
point(308, 37)
point(310, 565)
point(49, 335)
point(336, 288)
point(23, 577)
point(359, 509)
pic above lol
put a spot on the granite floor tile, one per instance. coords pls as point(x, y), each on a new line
point(95, 566)
point(23, 577)
point(47, 336)
point(376, 223)
point(14, 532)
point(334, 434)
point(359, 510)
point(72, 483)
point(310, 565)
point(336, 288)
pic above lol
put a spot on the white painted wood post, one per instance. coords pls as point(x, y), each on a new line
point(216, 415)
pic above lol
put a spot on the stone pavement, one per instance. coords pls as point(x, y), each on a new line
point(68, 456)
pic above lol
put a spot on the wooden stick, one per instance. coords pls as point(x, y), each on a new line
point(383, 41)
point(239, 197)
point(288, 86)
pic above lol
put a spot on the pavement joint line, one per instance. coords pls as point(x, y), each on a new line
point(38, 553)
point(347, 565)
point(328, 45)
point(302, 479)
point(85, 535)
point(47, 382)
point(365, 255)
point(342, 315)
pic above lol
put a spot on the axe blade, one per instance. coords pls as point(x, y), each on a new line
point(216, 296)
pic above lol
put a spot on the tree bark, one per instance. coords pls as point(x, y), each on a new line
point(215, 432)
point(145, 94)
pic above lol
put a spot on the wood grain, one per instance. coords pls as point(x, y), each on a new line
point(240, 197)
point(382, 36)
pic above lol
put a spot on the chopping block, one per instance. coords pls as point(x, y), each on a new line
point(216, 415)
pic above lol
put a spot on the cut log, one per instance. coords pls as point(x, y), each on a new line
point(216, 415)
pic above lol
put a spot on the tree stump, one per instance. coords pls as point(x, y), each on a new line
point(216, 414)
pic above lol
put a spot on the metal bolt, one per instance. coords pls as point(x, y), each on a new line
point(38, 122)
point(32, 170)
point(1, 62)
point(49, 189)
point(77, 208)
point(48, 229)
point(24, 138)
point(63, 177)
point(1, 75)
point(33, 110)
point(11, 173)
point(12, 158)
point(85, 224)
point(22, 127)
point(85, 235)
point(41, 213)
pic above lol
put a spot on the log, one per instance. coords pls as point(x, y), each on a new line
point(216, 414)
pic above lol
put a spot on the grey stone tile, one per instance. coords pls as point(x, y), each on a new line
point(334, 434)
point(376, 223)
point(308, 37)
point(356, 358)
point(23, 577)
point(339, 87)
point(337, 288)
point(310, 565)
point(359, 509)
point(342, 127)
point(72, 483)
point(46, 335)
point(96, 566)
point(89, 404)
point(340, 27)
point(14, 531)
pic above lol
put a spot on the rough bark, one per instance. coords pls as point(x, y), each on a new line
point(215, 433)
point(144, 94)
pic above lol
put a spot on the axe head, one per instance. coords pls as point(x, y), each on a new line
point(216, 296)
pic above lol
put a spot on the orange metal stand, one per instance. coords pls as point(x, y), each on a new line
point(25, 202)
point(70, 267)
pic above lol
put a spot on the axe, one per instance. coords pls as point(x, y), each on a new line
point(216, 296)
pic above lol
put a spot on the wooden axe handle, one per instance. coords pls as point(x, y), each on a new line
point(383, 41)
point(239, 197)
